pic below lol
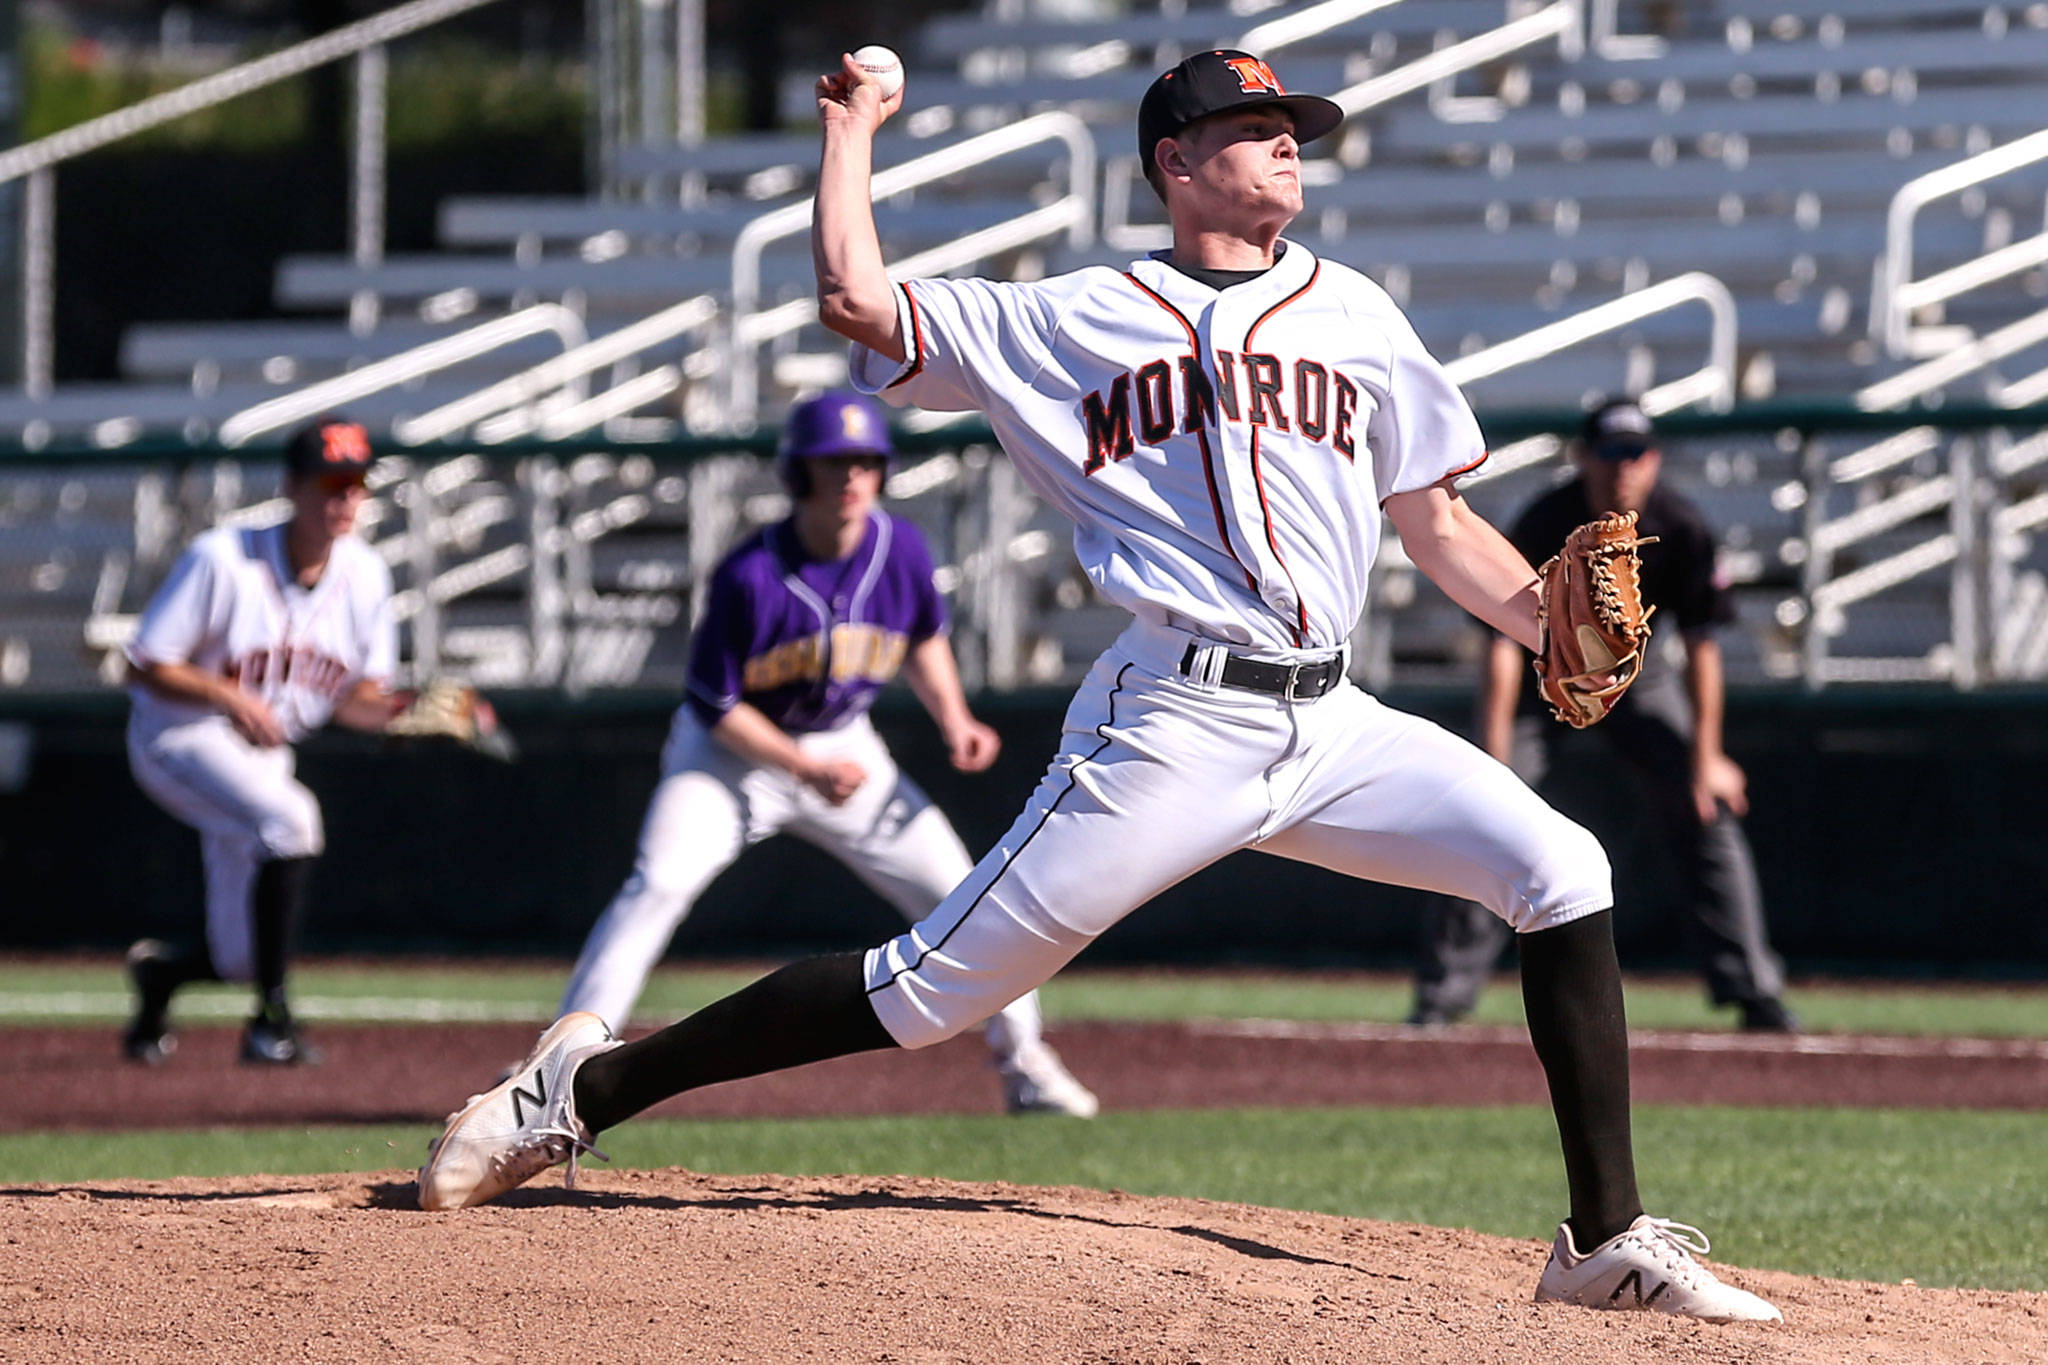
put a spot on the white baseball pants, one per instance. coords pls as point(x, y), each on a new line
point(711, 805)
point(248, 809)
point(1158, 777)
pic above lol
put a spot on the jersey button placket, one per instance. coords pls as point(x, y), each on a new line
point(1229, 323)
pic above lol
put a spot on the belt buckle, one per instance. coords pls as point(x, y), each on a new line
point(1322, 677)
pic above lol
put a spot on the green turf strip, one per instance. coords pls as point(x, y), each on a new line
point(32, 992)
point(1946, 1198)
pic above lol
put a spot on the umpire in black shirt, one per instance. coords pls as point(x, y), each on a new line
point(1667, 728)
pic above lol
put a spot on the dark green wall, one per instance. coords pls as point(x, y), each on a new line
point(1894, 833)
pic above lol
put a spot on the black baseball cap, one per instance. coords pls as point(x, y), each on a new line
point(329, 444)
point(1224, 78)
point(1617, 430)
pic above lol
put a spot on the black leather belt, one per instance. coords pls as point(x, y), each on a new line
point(1296, 682)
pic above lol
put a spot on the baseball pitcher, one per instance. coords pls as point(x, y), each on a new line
point(1228, 423)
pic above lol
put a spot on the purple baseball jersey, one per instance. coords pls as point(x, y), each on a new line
point(810, 642)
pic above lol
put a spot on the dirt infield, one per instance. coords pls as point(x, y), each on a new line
point(672, 1266)
point(75, 1079)
point(663, 1266)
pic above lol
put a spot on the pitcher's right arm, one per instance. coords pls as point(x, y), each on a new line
point(855, 297)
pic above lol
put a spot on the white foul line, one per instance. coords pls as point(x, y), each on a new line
point(416, 1010)
point(216, 1005)
point(1645, 1040)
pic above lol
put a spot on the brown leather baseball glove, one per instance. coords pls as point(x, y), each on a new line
point(444, 709)
point(1590, 612)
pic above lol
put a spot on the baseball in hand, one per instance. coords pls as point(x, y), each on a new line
point(883, 66)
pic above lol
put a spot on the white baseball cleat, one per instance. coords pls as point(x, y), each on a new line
point(1648, 1266)
point(1036, 1082)
point(526, 1123)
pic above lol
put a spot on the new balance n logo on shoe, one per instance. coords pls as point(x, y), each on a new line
point(539, 1100)
point(1633, 1282)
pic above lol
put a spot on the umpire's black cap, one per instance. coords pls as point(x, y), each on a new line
point(329, 444)
point(1617, 430)
point(1223, 78)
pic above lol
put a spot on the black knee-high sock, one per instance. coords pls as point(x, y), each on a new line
point(279, 902)
point(186, 963)
point(806, 1012)
point(1571, 988)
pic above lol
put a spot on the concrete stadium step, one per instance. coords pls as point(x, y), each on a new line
point(503, 220)
point(1915, 51)
point(951, 37)
point(1377, 190)
point(1792, 119)
point(114, 414)
point(331, 281)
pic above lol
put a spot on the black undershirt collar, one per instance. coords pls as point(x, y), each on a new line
point(1220, 280)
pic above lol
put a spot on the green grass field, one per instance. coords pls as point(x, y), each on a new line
point(1942, 1197)
point(45, 993)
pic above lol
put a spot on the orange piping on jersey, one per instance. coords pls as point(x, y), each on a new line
point(1484, 456)
point(1202, 436)
point(1258, 480)
point(916, 341)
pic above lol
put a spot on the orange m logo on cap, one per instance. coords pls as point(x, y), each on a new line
point(344, 443)
point(1253, 74)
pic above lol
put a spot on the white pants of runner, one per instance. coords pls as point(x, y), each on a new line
point(1158, 777)
point(711, 804)
point(248, 809)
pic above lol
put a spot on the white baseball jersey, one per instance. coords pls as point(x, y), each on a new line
point(232, 605)
point(1223, 454)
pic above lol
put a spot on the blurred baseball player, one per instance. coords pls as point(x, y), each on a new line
point(1225, 422)
point(258, 637)
point(805, 622)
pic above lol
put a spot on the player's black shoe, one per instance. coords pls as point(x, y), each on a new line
point(148, 1038)
point(1769, 1015)
point(275, 1041)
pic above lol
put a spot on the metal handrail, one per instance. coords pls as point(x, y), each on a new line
point(532, 386)
point(1261, 39)
point(1713, 382)
point(1943, 370)
point(1950, 492)
point(1564, 21)
point(35, 160)
point(392, 371)
point(1893, 292)
point(1075, 212)
point(1302, 24)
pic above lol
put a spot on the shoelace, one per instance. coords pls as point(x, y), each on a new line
point(1675, 1244)
point(553, 1142)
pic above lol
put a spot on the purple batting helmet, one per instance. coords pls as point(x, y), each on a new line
point(836, 422)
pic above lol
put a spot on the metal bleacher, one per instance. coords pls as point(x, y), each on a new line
point(1561, 180)
point(1760, 141)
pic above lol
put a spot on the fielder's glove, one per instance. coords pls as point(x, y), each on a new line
point(450, 710)
point(1590, 614)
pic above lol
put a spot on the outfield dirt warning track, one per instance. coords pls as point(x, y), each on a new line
point(76, 1079)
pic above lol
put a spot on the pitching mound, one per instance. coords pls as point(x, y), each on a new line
point(666, 1266)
